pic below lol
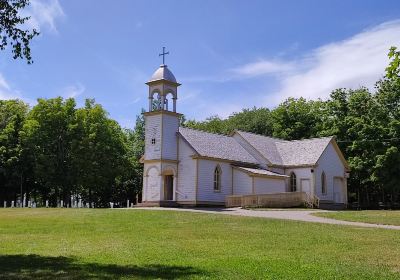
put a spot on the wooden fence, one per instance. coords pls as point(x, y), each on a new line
point(273, 200)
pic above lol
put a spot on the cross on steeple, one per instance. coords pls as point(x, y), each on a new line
point(163, 54)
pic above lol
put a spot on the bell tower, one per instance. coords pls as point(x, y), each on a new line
point(161, 142)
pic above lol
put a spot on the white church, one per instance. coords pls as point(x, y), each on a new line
point(183, 166)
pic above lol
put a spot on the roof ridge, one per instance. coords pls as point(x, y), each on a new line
point(284, 140)
point(200, 130)
point(308, 139)
point(261, 135)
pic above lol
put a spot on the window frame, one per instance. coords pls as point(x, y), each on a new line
point(324, 189)
point(293, 182)
point(217, 178)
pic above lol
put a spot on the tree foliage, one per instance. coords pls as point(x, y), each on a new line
point(56, 152)
point(12, 31)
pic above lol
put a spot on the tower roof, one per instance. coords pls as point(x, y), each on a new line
point(163, 73)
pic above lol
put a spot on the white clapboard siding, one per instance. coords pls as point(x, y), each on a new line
point(186, 172)
point(268, 185)
point(153, 131)
point(206, 181)
point(333, 167)
point(301, 174)
point(153, 183)
point(170, 128)
point(242, 182)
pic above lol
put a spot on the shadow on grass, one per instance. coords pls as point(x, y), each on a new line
point(40, 267)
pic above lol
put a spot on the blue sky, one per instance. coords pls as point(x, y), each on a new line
point(228, 55)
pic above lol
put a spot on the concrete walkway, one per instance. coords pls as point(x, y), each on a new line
point(295, 215)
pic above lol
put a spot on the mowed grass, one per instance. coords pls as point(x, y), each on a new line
point(143, 244)
point(384, 217)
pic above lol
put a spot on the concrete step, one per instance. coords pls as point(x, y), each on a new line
point(331, 205)
point(162, 203)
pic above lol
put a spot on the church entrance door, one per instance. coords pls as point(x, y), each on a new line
point(168, 187)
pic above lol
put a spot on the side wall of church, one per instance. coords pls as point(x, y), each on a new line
point(242, 182)
point(206, 191)
point(269, 185)
point(169, 129)
point(186, 190)
point(331, 164)
point(301, 174)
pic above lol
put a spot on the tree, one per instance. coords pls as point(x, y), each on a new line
point(99, 155)
point(297, 119)
point(11, 29)
point(393, 70)
point(12, 118)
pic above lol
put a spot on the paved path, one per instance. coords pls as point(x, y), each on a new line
point(300, 215)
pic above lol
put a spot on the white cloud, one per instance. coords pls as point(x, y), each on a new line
point(6, 92)
point(73, 91)
point(135, 100)
point(44, 14)
point(3, 83)
point(263, 67)
point(194, 105)
point(356, 61)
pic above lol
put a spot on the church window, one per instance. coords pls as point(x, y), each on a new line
point(153, 141)
point(293, 183)
point(217, 179)
point(323, 183)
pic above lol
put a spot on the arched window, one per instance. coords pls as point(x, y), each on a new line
point(217, 179)
point(323, 183)
point(168, 101)
point(156, 103)
point(293, 185)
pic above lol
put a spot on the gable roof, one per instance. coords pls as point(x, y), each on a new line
point(266, 146)
point(287, 153)
point(216, 146)
point(302, 152)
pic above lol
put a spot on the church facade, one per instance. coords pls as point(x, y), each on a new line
point(183, 166)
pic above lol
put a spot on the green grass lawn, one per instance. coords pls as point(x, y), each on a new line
point(142, 244)
point(383, 217)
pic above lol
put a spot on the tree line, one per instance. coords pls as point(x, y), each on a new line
point(366, 125)
point(56, 151)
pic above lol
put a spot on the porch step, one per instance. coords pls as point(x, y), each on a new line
point(331, 205)
point(162, 203)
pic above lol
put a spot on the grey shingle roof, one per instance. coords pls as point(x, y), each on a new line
point(277, 151)
point(287, 153)
point(262, 172)
point(302, 152)
point(265, 145)
point(216, 145)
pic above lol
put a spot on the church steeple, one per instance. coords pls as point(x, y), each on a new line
point(163, 89)
point(161, 139)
